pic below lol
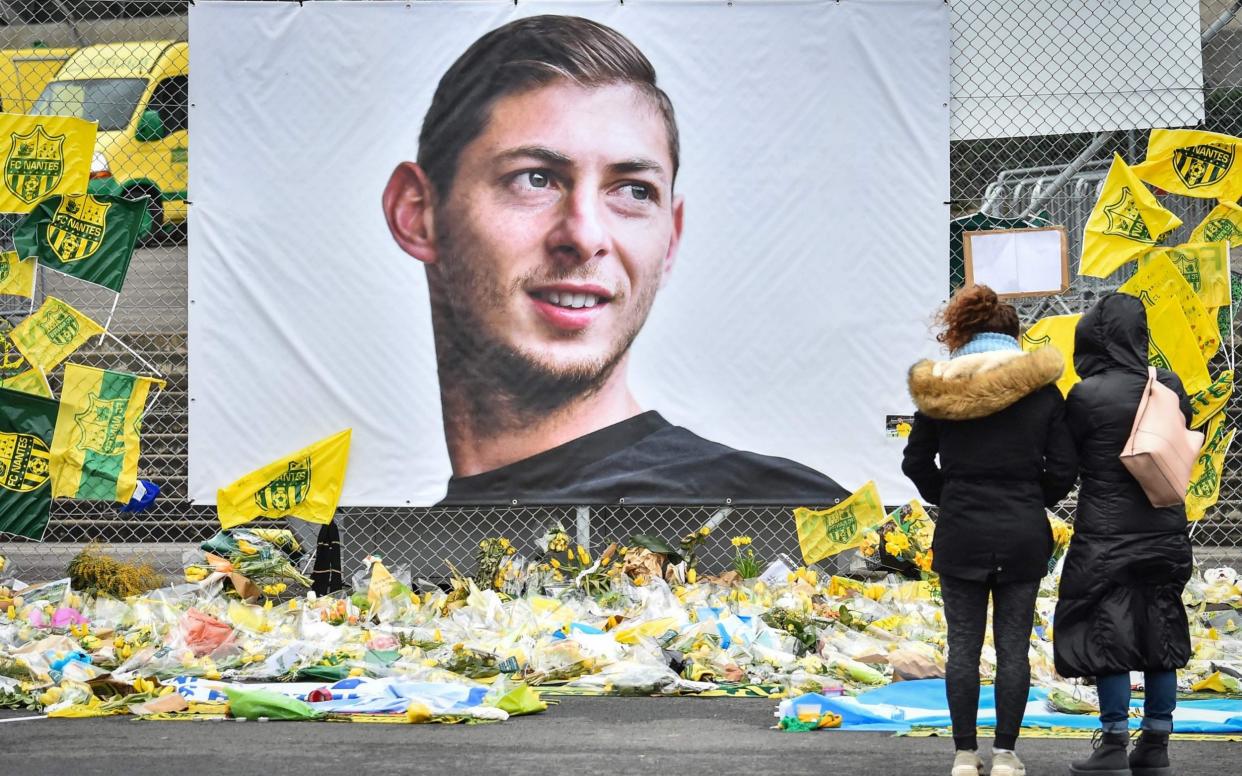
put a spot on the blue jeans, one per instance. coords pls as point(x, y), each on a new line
point(1158, 704)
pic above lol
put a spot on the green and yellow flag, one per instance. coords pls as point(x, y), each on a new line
point(26, 424)
point(1158, 280)
point(50, 334)
point(306, 485)
point(1193, 163)
point(16, 374)
point(1125, 221)
point(1205, 267)
point(1173, 346)
point(17, 276)
point(96, 446)
point(1205, 477)
point(824, 533)
point(88, 236)
point(1223, 223)
point(43, 155)
point(1058, 331)
point(1211, 400)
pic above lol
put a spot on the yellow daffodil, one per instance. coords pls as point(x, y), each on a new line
point(583, 557)
point(705, 531)
point(692, 576)
point(896, 543)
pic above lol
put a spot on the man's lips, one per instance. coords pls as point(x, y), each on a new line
point(570, 306)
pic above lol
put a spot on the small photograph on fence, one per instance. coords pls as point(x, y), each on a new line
point(565, 253)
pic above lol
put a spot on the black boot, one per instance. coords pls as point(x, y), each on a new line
point(1109, 757)
point(1151, 755)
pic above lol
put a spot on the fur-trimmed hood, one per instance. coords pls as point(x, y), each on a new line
point(981, 384)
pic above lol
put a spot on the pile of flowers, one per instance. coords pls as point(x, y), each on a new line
point(638, 616)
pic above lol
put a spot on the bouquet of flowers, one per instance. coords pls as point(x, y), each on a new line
point(906, 539)
point(261, 556)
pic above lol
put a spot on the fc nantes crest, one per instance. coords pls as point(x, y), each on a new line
point(1124, 219)
point(34, 165)
point(58, 323)
point(77, 227)
point(843, 528)
point(101, 425)
point(24, 462)
point(287, 490)
point(1202, 165)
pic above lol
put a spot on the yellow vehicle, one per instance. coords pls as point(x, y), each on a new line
point(24, 73)
point(138, 93)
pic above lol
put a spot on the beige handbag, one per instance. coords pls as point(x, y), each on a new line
point(1161, 451)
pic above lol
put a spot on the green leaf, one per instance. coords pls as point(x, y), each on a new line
point(657, 545)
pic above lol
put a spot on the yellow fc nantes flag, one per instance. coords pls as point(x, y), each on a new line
point(1211, 400)
point(96, 446)
point(1125, 221)
point(43, 155)
point(1157, 280)
point(16, 374)
point(824, 533)
point(1173, 346)
point(306, 484)
point(52, 332)
point(1223, 223)
point(1205, 266)
point(1193, 163)
point(1057, 331)
point(1204, 487)
point(16, 276)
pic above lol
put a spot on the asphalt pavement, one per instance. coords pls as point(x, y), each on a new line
point(578, 736)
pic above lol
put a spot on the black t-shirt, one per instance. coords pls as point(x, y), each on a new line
point(646, 460)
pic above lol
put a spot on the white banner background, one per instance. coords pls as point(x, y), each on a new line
point(815, 170)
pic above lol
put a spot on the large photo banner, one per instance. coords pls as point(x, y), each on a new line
point(570, 252)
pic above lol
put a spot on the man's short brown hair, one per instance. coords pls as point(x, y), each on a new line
point(522, 55)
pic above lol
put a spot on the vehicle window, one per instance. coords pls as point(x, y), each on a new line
point(171, 98)
point(109, 101)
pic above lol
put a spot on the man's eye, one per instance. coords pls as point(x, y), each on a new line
point(640, 192)
point(537, 180)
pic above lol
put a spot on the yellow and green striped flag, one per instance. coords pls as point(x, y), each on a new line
point(96, 446)
point(306, 484)
point(824, 533)
point(16, 275)
point(16, 374)
point(51, 333)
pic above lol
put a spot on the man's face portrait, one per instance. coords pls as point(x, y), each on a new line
point(560, 227)
point(470, 247)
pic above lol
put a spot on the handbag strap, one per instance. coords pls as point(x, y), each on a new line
point(1138, 412)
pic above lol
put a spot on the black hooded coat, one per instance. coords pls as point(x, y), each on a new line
point(1120, 607)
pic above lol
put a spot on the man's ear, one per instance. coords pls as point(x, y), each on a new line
point(408, 209)
point(679, 207)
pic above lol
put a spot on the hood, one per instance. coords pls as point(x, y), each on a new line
point(979, 385)
point(1111, 335)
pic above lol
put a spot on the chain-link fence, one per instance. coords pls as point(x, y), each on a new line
point(62, 57)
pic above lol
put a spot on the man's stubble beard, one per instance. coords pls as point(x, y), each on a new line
point(501, 387)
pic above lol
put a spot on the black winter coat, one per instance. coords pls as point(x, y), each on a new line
point(997, 422)
point(1120, 605)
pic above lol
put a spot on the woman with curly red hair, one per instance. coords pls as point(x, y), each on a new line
point(991, 447)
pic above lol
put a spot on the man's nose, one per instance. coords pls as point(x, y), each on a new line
point(581, 233)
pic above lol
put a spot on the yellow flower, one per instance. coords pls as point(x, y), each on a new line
point(583, 556)
point(705, 531)
point(871, 543)
point(692, 576)
point(923, 560)
point(896, 543)
point(556, 564)
point(246, 547)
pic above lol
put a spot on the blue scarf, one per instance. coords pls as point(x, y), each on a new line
point(986, 342)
